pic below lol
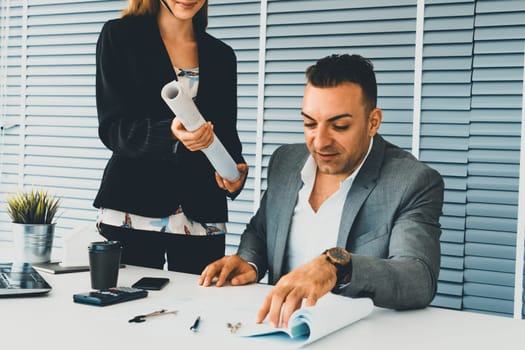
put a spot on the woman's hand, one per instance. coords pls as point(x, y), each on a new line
point(193, 140)
point(236, 185)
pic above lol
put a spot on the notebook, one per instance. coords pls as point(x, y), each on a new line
point(56, 268)
point(21, 280)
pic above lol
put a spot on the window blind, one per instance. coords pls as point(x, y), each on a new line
point(445, 111)
point(493, 156)
point(469, 119)
point(57, 145)
point(11, 84)
point(237, 24)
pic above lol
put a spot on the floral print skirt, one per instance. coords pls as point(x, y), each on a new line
point(177, 223)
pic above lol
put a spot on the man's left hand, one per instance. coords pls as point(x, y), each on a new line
point(309, 281)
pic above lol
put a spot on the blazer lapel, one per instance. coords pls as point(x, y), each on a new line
point(286, 207)
point(156, 45)
point(363, 184)
point(283, 229)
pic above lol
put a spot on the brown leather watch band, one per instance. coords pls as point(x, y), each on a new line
point(342, 260)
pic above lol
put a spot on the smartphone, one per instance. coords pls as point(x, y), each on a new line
point(151, 283)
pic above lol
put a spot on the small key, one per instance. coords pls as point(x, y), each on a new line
point(233, 327)
point(142, 318)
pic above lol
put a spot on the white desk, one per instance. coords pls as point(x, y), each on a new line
point(55, 322)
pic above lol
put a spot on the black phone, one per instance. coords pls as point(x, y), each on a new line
point(151, 283)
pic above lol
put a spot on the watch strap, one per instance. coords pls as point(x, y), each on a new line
point(343, 271)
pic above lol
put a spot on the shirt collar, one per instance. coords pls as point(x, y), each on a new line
point(310, 168)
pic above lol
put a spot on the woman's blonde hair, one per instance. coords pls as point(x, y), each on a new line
point(152, 7)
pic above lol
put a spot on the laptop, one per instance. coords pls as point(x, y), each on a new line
point(21, 280)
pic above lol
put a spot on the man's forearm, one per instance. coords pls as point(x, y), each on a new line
point(400, 283)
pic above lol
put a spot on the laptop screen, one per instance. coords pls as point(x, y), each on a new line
point(21, 280)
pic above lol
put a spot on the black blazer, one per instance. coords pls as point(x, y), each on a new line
point(147, 174)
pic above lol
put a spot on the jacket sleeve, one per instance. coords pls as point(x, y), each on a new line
point(254, 240)
point(227, 126)
point(407, 279)
point(233, 141)
point(122, 128)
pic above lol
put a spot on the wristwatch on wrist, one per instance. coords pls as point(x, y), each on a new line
point(342, 260)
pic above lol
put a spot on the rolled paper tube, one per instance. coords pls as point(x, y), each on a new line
point(183, 107)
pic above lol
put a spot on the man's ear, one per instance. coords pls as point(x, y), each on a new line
point(374, 121)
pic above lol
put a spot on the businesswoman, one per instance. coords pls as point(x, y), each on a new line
point(159, 195)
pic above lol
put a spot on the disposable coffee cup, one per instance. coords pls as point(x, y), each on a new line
point(104, 263)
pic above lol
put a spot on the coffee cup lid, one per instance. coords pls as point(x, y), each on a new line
point(104, 246)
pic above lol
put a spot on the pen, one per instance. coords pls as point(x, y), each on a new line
point(195, 324)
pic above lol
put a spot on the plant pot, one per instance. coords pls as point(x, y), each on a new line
point(33, 242)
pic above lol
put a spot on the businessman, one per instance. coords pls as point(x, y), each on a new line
point(347, 212)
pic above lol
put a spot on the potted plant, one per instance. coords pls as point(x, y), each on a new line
point(32, 213)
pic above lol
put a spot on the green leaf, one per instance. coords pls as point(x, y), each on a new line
point(32, 207)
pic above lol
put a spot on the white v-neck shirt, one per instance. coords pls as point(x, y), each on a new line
point(313, 232)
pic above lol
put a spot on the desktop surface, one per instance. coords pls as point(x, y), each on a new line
point(54, 321)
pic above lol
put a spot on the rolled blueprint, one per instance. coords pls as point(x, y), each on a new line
point(182, 105)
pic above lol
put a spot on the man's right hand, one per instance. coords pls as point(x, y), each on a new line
point(229, 268)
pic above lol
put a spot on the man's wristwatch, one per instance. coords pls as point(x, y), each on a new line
point(342, 260)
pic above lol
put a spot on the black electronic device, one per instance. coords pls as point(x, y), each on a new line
point(151, 283)
point(110, 296)
point(20, 280)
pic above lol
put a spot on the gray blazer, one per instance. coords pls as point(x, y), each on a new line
point(390, 224)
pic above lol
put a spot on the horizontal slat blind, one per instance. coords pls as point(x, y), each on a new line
point(61, 148)
point(445, 106)
point(237, 24)
point(301, 32)
point(11, 41)
point(494, 148)
point(470, 118)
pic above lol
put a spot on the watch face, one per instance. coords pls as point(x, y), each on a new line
point(339, 255)
point(341, 259)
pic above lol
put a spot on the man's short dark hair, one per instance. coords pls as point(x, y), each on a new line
point(333, 70)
